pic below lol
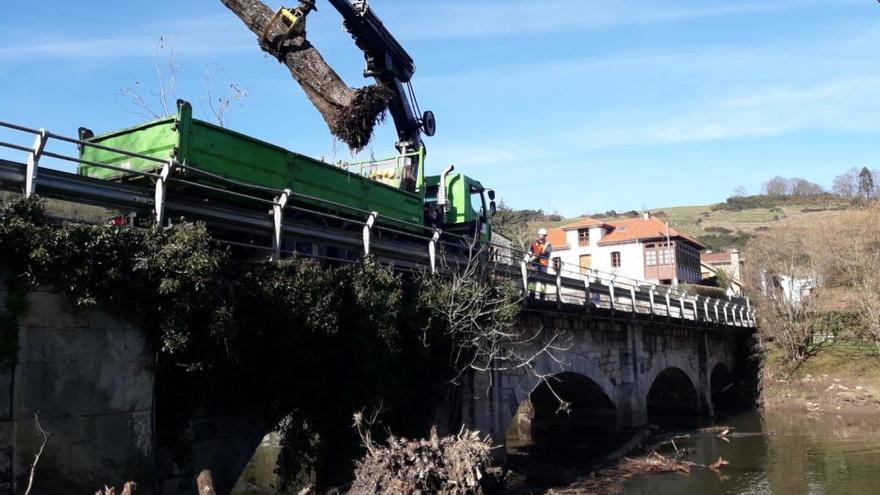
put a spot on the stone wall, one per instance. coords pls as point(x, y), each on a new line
point(89, 378)
point(623, 357)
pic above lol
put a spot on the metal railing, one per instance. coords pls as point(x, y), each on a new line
point(406, 244)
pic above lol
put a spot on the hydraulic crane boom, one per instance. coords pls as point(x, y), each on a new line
point(392, 67)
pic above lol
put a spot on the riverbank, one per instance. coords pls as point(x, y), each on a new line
point(841, 379)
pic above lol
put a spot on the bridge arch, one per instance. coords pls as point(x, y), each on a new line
point(673, 399)
point(577, 363)
point(580, 381)
point(721, 387)
point(544, 431)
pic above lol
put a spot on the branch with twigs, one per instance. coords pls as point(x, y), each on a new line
point(46, 436)
point(479, 312)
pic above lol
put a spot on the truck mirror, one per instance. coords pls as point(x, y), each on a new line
point(492, 208)
point(491, 193)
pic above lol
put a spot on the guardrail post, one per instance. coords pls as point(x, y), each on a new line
point(742, 321)
point(611, 294)
point(681, 299)
point(278, 217)
point(161, 182)
point(368, 226)
point(651, 296)
point(717, 318)
point(432, 250)
point(559, 300)
point(706, 309)
point(632, 295)
point(668, 306)
point(33, 163)
point(588, 296)
point(749, 311)
point(524, 267)
point(694, 302)
point(726, 319)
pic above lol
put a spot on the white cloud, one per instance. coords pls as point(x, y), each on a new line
point(843, 105)
point(499, 18)
point(209, 34)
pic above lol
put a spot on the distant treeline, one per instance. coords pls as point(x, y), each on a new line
point(855, 183)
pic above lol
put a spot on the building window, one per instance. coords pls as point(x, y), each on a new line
point(651, 257)
point(615, 259)
point(584, 237)
point(665, 255)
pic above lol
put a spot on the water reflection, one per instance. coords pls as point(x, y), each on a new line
point(804, 455)
point(259, 477)
point(830, 455)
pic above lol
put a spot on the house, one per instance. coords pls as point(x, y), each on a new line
point(643, 248)
point(731, 262)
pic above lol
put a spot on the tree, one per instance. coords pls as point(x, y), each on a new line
point(513, 224)
point(740, 192)
point(722, 279)
point(803, 187)
point(777, 186)
point(351, 114)
point(848, 253)
point(782, 265)
point(160, 102)
point(478, 311)
point(866, 184)
point(841, 254)
point(846, 185)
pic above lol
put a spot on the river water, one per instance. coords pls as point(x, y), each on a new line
point(803, 454)
point(796, 454)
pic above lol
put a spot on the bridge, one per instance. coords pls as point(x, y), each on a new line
point(634, 353)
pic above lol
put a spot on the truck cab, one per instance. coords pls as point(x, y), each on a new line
point(466, 208)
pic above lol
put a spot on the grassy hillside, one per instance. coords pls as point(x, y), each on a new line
point(732, 223)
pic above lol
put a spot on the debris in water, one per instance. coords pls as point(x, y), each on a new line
point(452, 465)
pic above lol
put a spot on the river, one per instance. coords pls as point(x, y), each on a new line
point(798, 454)
point(803, 454)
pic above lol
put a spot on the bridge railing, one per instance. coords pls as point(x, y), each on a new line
point(406, 244)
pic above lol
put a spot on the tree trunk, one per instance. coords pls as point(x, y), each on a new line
point(350, 113)
point(205, 483)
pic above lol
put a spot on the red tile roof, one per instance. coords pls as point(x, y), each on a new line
point(639, 229)
point(556, 238)
point(584, 223)
point(722, 257)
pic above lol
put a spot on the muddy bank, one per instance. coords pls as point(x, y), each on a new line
point(837, 381)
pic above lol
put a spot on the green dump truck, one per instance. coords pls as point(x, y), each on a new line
point(450, 201)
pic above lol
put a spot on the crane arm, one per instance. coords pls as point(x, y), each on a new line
point(392, 67)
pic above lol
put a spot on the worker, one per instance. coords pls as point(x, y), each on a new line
point(540, 251)
point(539, 256)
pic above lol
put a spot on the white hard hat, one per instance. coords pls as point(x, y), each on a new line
point(542, 231)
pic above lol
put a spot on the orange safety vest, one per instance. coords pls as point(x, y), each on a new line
point(537, 251)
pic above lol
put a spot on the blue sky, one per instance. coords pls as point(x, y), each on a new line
point(573, 106)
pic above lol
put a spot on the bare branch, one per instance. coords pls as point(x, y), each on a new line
point(46, 436)
point(479, 311)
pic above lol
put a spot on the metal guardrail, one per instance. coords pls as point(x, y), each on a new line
point(590, 289)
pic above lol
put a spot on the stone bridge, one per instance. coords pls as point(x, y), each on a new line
point(90, 379)
point(616, 372)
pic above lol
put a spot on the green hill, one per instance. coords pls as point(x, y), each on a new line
point(719, 226)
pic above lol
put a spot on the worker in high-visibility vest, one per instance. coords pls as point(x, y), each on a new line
point(539, 255)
